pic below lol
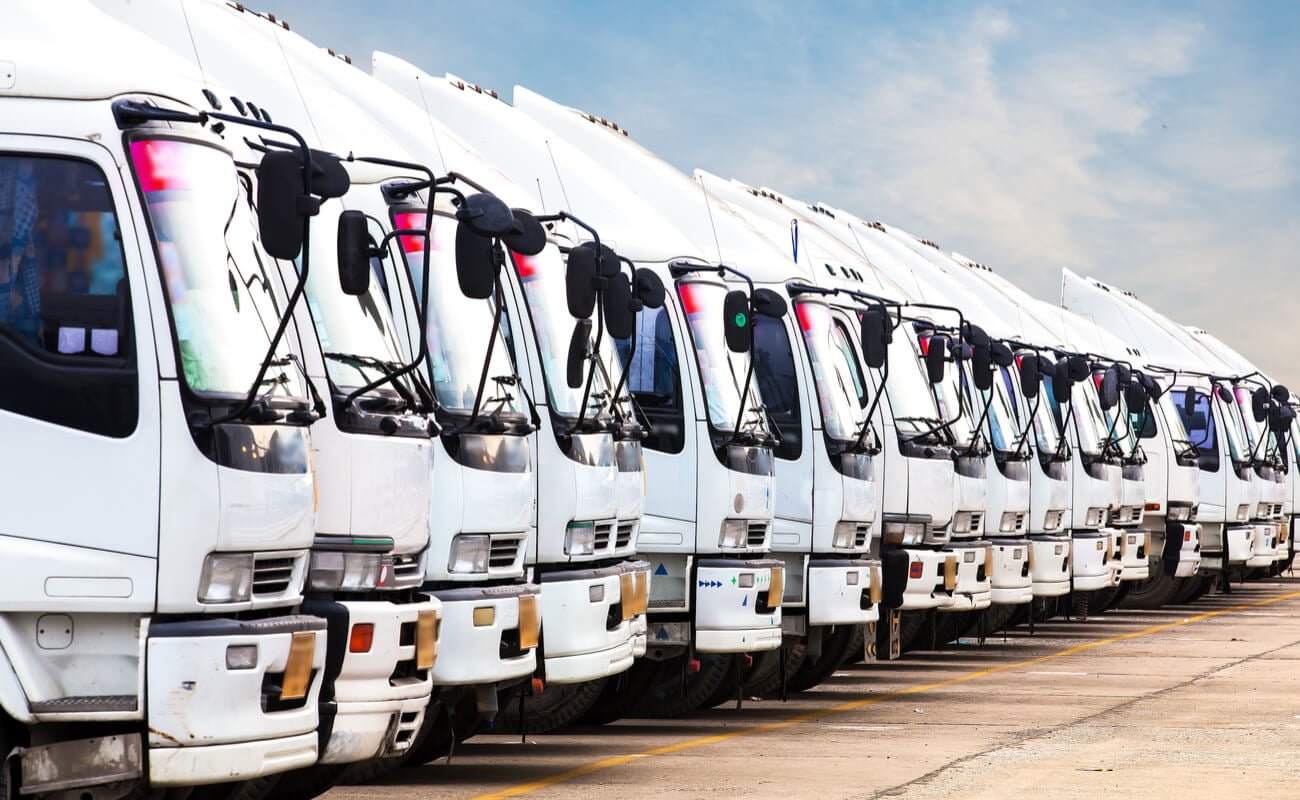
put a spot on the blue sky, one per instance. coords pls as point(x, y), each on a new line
point(1150, 145)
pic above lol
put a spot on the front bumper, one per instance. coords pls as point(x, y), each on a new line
point(1010, 574)
point(1183, 548)
point(480, 625)
point(840, 591)
point(379, 694)
point(732, 609)
point(1240, 541)
point(591, 635)
point(1133, 562)
point(1090, 556)
point(914, 580)
point(974, 589)
point(1049, 565)
point(210, 723)
point(1264, 552)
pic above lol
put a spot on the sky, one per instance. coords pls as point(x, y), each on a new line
point(1152, 146)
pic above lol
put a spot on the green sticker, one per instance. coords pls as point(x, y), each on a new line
point(740, 320)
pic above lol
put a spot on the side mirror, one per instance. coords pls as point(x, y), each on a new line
point(1062, 378)
point(575, 367)
point(1078, 369)
point(769, 303)
point(876, 336)
point(354, 253)
point(736, 321)
point(1152, 386)
point(649, 289)
point(620, 316)
point(1124, 375)
point(981, 358)
point(580, 282)
point(1001, 354)
point(1259, 404)
point(279, 219)
point(1030, 378)
point(486, 215)
point(528, 237)
point(1281, 394)
point(1108, 389)
point(476, 263)
point(1135, 397)
point(1225, 394)
point(329, 179)
point(936, 353)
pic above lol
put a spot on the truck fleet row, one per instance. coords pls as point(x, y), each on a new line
point(349, 414)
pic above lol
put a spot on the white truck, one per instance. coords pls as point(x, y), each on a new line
point(149, 628)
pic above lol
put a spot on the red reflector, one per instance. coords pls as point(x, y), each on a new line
point(363, 636)
point(538, 685)
point(693, 666)
point(917, 569)
point(746, 660)
point(1187, 536)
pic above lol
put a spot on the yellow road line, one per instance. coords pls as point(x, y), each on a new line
point(853, 705)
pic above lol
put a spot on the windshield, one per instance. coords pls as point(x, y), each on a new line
point(221, 288)
point(1089, 422)
point(459, 327)
point(1173, 422)
point(841, 390)
point(1003, 426)
point(1234, 430)
point(950, 400)
point(542, 277)
point(1119, 426)
point(1254, 430)
point(721, 371)
point(908, 390)
point(357, 334)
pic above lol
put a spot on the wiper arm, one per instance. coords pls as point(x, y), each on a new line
point(388, 368)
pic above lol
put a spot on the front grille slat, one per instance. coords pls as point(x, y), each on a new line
point(756, 534)
point(272, 576)
point(623, 538)
point(503, 553)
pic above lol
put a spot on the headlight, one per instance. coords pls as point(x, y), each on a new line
point(1243, 512)
point(961, 522)
point(1094, 517)
point(1008, 523)
point(734, 533)
point(904, 533)
point(1052, 520)
point(845, 535)
point(469, 553)
point(580, 539)
point(348, 572)
point(1178, 513)
point(226, 578)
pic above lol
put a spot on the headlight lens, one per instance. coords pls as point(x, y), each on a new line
point(1008, 522)
point(1052, 520)
point(1178, 513)
point(904, 533)
point(580, 539)
point(1094, 517)
point(226, 578)
point(1243, 511)
point(348, 572)
point(469, 553)
point(846, 533)
point(961, 522)
point(734, 533)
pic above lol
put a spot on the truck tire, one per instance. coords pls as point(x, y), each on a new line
point(912, 628)
point(620, 693)
point(370, 771)
point(303, 784)
point(1154, 592)
point(1190, 589)
point(453, 723)
point(672, 692)
point(837, 645)
point(996, 618)
point(947, 628)
point(556, 706)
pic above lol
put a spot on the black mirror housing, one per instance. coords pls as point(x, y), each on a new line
point(769, 303)
point(936, 354)
point(486, 215)
point(580, 277)
point(875, 335)
point(575, 372)
point(1108, 389)
point(329, 179)
point(620, 315)
point(528, 237)
point(1260, 401)
point(649, 289)
point(1001, 354)
point(476, 263)
point(1030, 378)
point(354, 253)
point(279, 218)
point(736, 321)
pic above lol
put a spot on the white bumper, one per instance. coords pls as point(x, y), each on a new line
point(1049, 565)
point(208, 723)
point(1264, 552)
point(379, 695)
point(591, 631)
point(974, 590)
point(1134, 564)
point(839, 592)
point(1189, 548)
point(730, 613)
point(473, 652)
point(1090, 558)
point(1240, 541)
point(914, 579)
point(1011, 582)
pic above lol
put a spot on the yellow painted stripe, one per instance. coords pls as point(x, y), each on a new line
point(853, 705)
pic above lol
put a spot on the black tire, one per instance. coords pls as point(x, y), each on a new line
point(913, 627)
point(1190, 589)
point(303, 784)
point(370, 771)
point(556, 706)
point(765, 677)
point(729, 687)
point(620, 693)
point(948, 627)
point(1091, 604)
point(253, 789)
point(995, 618)
point(1154, 592)
point(837, 645)
point(455, 720)
point(672, 692)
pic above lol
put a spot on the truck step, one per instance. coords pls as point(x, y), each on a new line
point(89, 703)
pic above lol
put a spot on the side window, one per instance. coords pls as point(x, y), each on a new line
point(654, 378)
point(778, 385)
point(1144, 422)
point(1194, 408)
point(66, 348)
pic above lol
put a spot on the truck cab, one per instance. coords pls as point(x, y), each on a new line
point(158, 611)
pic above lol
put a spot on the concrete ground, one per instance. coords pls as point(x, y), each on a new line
point(1189, 701)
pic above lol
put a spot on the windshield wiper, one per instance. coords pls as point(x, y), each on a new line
point(388, 368)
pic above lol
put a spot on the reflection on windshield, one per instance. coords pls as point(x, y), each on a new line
point(950, 404)
point(1255, 430)
point(1234, 431)
point(219, 283)
point(459, 327)
point(721, 371)
point(908, 390)
point(542, 277)
point(357, 334)
point(841, 393)
point(1003, 428)
point(1173, 422)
